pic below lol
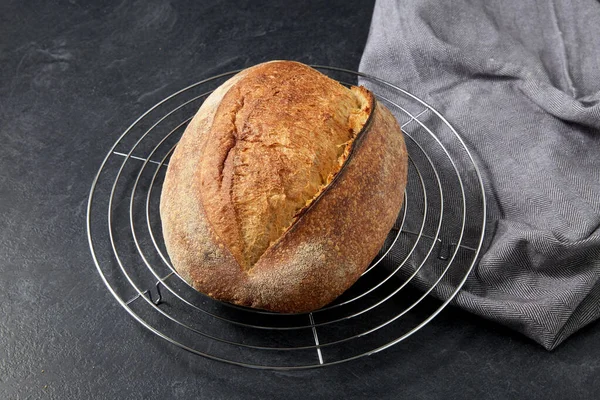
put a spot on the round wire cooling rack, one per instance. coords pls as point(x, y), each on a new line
point(430, 251)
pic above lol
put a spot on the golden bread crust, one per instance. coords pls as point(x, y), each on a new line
point(262, 205)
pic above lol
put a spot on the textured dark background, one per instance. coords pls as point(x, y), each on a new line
point(72, 77)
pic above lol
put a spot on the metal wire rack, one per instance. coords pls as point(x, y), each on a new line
point(431, 250)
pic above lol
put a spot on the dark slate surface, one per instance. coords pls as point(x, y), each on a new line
point(72, 77)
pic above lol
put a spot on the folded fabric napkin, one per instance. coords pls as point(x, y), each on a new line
point(520, 81)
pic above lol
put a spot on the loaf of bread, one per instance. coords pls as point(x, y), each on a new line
point(282, 189)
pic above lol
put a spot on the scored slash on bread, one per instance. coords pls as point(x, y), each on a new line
point(282, 189)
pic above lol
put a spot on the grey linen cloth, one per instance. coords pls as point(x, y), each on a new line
point(520, 81)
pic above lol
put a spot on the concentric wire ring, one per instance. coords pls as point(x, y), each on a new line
point(379, 311)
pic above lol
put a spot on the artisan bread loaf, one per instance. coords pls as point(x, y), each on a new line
point(282, 189)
